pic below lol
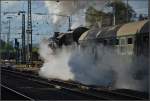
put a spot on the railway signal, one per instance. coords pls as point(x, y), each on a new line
point(23, 33)
point(17, 50)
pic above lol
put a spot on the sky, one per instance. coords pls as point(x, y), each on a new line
point(140, 6)
point(45, 25)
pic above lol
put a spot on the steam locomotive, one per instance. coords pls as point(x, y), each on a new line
point(128, 39)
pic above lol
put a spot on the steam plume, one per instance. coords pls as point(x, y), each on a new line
point(94, 66)
point(69, 8)
point(55, 65)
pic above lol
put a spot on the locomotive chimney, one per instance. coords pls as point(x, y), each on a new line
point(56, 34)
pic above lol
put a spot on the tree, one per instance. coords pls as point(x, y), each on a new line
point(123, 13)
point(93, 16)
point(5, 46)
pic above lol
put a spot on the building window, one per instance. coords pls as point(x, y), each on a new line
point(122, 41)
point(117, 41)
point(130, 40)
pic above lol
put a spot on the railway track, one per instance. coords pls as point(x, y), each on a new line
point(104, 92)
point(11, 93)
point(66, 91)
point(83, 90)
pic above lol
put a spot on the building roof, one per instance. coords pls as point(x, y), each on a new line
point(99, 33)
point(90, 34)
point(108, 32)
point(78, 32)
point(83, 36)
point(132, 28)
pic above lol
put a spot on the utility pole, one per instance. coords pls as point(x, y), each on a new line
point(0, 34)
point(69, 21)
point(114, 14)
point(29, 33)
point(23, 37)
point(127, 12)
point(8, 35)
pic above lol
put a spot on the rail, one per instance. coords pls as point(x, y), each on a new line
point(16, 92)
point(78, 88)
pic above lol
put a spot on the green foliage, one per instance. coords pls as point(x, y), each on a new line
point(5, 47)
point(35, 49)
point(121, 10)
point(93, 16)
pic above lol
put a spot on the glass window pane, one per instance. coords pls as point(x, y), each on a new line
point(122, 41)
point(117, 41)
point(130, 40)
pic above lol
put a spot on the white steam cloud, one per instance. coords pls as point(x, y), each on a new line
point(75, 8)
point(94, 66)
point(54, 63)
